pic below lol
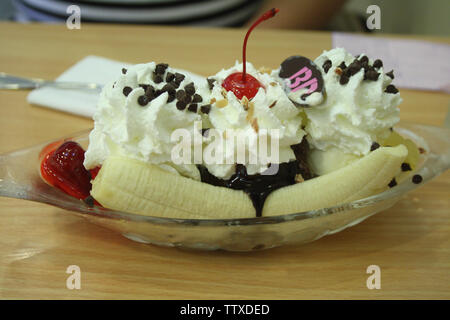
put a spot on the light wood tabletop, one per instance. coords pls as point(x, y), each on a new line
point(409, 242)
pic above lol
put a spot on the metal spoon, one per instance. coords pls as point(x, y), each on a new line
point(11, 82)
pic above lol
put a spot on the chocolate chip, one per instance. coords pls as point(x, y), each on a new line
point(170, 76)
point(406, 166)
point(326, 66)
point(417, 178)
point(190, 89)
point(344, 79)
point(421, 150)
point(150, 92)
point(393, 183)
point(180, 94)
point(179, 77)
point(364, 60)
point(371, 75)
point(124, 71)
point(181, 105)
point(391, 89)
point(197, 98)
point(354, 67)
point(174, 84)
point(377, 63)
point(205, 109)
point(170, 98)
point(205, 132)
point(342, 65)
point(126, 91)
point(374, 146)
point(390, 74)
point(89, 200)
point(193, 107)
point(161, 68)
point(211, 83)
point(143, 100)
point(144, 86)
point(157, 78)
point(169, 88)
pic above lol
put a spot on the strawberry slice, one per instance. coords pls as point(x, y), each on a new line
point(62, 167)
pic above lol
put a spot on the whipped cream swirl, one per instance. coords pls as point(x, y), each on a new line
point(123, 126)
point(356, 111)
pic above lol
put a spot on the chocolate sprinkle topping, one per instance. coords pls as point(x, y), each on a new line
point(126, 91)
point(179, 78)
point(143, 100)
point(161, 68)
point(374, 146)
point(371, 75)
point(157, 78)
point(211, 83)
point(205, 109)
point(377, 63)
point(205, 132)
point(406, 166)
point(193, 107)
point(390, 74)
point(364, 60)
point(197, 98)
point(181, 105)
point(344, 79)
point(89, 201)
point(326, 66)
point(393, 183)
point(417, 178)
point(391, 89)
point(190, 89)
point(180, 94)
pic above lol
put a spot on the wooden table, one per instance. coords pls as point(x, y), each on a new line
point(410, 242)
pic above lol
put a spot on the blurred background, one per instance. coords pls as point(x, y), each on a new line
point(429, 17)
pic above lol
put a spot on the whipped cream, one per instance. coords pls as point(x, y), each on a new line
point(124, 127)
point(269, 109)
point(354, 114)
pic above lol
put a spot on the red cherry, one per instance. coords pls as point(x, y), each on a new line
point(241, 83)
point(241, 88)
point(63, 168)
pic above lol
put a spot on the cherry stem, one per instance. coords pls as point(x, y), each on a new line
point(266, 15)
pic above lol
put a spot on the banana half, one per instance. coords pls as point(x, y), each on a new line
point(133, 186)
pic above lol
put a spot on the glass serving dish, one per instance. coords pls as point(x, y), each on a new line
point(20, 178)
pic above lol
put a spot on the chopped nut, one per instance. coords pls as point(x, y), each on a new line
point(245, 102)
point(299, 178)
point(255, 125)
point(224, 92)
point(338, 71)
point(250, 111)
point(265, 70)
point(273, 84)
point(221, 103)
point(212, 100)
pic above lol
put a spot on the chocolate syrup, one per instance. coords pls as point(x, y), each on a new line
point(259, 186)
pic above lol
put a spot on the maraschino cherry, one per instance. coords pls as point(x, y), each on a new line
point(241, 83)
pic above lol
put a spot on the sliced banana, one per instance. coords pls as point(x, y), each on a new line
point(133, 186)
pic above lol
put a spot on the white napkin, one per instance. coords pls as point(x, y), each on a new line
point(83, 102)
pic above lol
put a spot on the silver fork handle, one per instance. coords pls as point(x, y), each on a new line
point(11, 82)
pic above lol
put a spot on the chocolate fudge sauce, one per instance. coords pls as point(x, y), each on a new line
point(259, 186)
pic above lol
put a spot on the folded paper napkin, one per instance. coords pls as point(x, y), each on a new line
point(82, 102)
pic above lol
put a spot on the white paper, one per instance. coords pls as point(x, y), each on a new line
point(417, 64)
